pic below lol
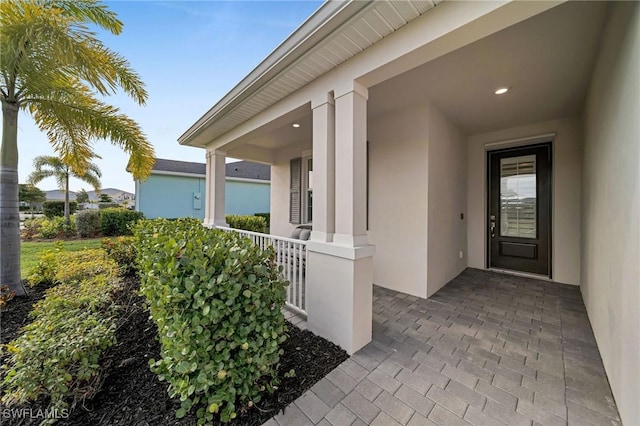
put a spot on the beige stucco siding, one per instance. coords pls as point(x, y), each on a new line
point(611, 206)
point(417, 192)
point(398, 199)
point(566, 175)
point(447, 232)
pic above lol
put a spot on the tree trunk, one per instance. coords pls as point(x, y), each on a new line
point(67, 219)
point(9, 212)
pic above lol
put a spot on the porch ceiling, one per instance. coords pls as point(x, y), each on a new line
point(547, 61)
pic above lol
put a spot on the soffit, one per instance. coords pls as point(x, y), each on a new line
point(370, 22)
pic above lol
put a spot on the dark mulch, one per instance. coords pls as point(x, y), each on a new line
point(15, 314)
point(132, 395)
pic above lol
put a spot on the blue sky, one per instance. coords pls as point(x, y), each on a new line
point(189, 54)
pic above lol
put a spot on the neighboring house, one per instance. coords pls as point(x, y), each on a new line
point(124, 198)
point(58, 195)
point(117, 195)
point(387, 115)
point(177, 189)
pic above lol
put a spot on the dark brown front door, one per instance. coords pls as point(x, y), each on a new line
point(519, 216)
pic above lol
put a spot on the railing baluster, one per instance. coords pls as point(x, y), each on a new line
point(291, 254)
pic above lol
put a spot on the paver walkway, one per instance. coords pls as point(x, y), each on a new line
point(487, 349)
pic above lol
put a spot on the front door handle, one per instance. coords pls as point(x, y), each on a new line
point(492, 225)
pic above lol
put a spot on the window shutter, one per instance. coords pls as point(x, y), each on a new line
point(295, 209)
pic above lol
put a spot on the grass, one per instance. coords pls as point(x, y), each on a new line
point(30, 251)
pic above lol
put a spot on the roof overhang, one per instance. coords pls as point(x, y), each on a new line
point(308, 53)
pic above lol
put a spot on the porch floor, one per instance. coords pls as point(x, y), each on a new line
point(487, 349)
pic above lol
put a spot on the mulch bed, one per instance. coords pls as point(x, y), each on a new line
point(132, 395)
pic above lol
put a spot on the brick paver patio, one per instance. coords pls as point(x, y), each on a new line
point(487, 349)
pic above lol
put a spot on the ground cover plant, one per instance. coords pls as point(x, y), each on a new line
point(30, 251)
point(56, 356)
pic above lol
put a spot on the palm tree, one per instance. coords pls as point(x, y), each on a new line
point(53, 67)
point(46, 166)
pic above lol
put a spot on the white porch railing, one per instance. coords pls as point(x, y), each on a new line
point(291, 254)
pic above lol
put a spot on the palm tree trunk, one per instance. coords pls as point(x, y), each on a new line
point(9, 212)
point(67, 220)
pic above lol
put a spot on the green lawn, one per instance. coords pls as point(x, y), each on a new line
point(30, 251)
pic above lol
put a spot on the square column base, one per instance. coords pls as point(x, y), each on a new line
point(340, 293)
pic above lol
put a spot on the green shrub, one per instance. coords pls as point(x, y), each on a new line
point(216, 299)
point(57, 355)
point(56, 208)
point(44, 272)
point(88, 223)
point(56, 227)
point(267, 218)
point(118, 221)
point(108, 205)
point(31, 228)
point(248, 223)
point(123, 251)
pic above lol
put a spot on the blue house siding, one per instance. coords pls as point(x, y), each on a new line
point(246, 197)
point(171, 196)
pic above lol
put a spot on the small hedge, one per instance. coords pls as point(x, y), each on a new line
point(57, 355)
point(46, 228)
point(109, 205)
point(123, 251)
point(88, 223)
point(248, 223)
point(118, 221)
point(56, 208)
point(267, 218)
point(216, 299)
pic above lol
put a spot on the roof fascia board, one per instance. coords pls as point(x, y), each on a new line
point(330, 16)
point(199, 176)
point(183, 174)
point(248, 180)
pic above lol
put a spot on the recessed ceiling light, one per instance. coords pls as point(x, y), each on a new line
point(502, 90)
point(296, 125)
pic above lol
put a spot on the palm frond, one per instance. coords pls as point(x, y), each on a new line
point(72, 128)
point(90, 11)
point(53, 65)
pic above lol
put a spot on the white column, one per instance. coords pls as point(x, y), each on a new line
point(207, 190)
point(323, 168)
point(351, 166)
point(215, 184)
point(340, 271)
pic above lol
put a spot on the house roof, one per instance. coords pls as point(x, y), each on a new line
point(239, 169)
point(337, 31)
point(179, 167)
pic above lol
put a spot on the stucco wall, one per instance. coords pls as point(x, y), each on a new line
point(280, 188)
point(246, 197)
point(611, 207)
point(566, 175)
point(417, 190)
point(170, 196)
point(447, 232)
point(398, 199)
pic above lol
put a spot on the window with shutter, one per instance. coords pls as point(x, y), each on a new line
point(295, 209)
